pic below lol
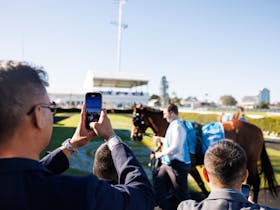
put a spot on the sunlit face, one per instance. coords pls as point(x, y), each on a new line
point(167, 115)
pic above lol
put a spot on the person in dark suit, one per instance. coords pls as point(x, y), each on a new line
point(103, 165)
point(26, 122)
point(225, 171)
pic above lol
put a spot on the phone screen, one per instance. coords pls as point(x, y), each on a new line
point(245, 190)
point(93, 107)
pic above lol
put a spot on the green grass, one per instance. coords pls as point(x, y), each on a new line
point(122, 124)
point(274, 157)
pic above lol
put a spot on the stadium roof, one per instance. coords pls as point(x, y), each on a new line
point(118, 80)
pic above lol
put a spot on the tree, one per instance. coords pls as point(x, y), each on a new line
point(163, 90)
point(154, 96)
point(263, 105)
point(175, 99)
point(228, 100)
point(278, 104)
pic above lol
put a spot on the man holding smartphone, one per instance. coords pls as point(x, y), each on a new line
point(26, 121)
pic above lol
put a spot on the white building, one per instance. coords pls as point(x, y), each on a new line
point(190, 103)
point(119, 91)
point(67, 100)
point(249, 102)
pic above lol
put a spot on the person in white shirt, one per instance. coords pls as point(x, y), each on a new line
point(170, 183)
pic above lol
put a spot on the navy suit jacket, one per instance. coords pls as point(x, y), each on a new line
point(221, 200)
point(56, 161)
point(29, 184)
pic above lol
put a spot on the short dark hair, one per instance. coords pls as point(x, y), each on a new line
point(173, 108)
point(20, 85)
point(226, 160)
point(103, 166)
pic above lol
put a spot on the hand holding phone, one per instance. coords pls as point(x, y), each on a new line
point(93, 107)
point(245, 189)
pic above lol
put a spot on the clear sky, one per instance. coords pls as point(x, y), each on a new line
point(214, 47)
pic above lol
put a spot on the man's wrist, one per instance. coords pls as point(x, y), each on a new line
point(68, 146)
point(113, 141)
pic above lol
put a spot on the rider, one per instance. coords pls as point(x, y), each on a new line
point(239, 115)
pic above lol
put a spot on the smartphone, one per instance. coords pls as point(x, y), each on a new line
point(245, 189)
point(93, 107)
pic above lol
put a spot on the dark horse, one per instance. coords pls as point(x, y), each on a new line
point(249, 136)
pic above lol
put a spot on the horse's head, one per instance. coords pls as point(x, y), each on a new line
point(144, 117)
point(139, 125)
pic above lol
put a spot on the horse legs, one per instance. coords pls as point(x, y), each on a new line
point(195, 174)
point(254, 180)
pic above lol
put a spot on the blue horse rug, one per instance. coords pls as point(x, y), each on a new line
point(210, 133)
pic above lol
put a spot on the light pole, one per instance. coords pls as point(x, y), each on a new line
point(121, 27)
point(206, 95)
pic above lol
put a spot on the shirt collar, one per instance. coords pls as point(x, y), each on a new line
point(227, 190)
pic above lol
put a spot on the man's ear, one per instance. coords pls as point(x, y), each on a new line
point(205, 174)
point(245, 176)
point(38, 118)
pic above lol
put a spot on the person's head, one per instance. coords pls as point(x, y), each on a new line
point(170, 112)
point(225, 165)
point(240, 109)
point(24, 102)
point(103, 166)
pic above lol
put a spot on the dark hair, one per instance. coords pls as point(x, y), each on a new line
point(173, 108)
point(226, 160)
point(103, 166)
point(20, 85)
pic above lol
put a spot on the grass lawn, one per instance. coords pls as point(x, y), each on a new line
point(122, 123)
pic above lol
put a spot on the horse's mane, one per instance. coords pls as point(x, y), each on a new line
point(151, 109)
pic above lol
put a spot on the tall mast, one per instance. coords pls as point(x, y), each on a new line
point(121, 27)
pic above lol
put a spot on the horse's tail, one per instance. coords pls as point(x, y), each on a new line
point(268, 172)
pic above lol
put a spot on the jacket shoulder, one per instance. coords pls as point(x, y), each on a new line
point(189, 204)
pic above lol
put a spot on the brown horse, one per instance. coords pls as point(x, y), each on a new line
point(249, 136)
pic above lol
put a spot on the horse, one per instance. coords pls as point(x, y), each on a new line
point(249, 136)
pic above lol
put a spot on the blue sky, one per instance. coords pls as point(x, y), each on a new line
point(218, 47)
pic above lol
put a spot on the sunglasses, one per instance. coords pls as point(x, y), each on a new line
point(52, 106)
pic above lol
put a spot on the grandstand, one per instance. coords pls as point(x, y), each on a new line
point(119, 91)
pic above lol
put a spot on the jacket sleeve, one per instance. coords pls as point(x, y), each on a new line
point(56, 161)
point(189, 204)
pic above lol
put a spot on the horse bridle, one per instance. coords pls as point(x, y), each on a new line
point(137, 119)
point(139, 124)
